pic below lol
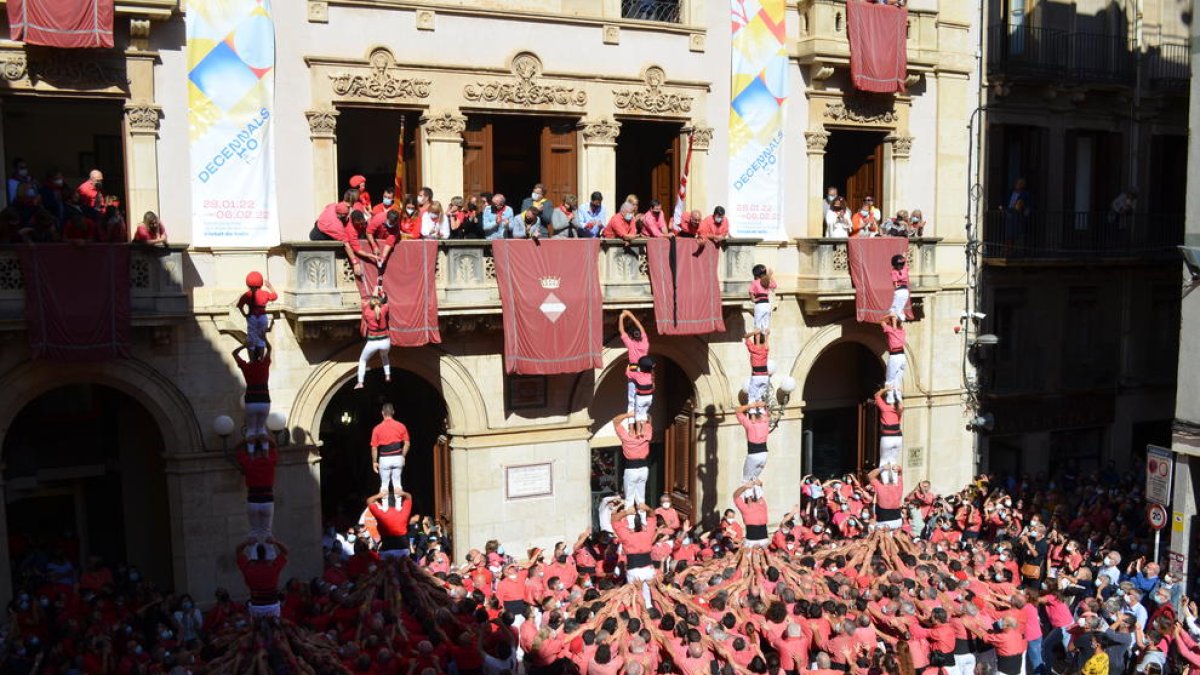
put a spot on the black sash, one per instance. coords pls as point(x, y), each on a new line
point(257, 393)
point(753, 448)
point(374, 335)
point(636, 560)
point(644, 389)
point(389, 542)
point(760, 298)
point(889, 430)
point(1009, 665)
point(636, 463)
point(756, 532)
point(896, 351)
point(904, 286)
point(759, 370)
point(515, 607)
point(962, 647)
point(391, 449)
point(883, 515)
point(260, 495)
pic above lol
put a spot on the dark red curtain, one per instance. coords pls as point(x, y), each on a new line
point(411, 288)
point(551, 303)
point(871, 274)
point(878, 46)
point(687, 293)
point(77, 301)
point(68, 24)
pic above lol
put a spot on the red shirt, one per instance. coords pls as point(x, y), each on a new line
point(262, 578)
point(90, 195)
point(709, 227)
point(81, 228)
point(143, 233)
point(410, 226)
point(329, 223)
point(895, 338)
point(257, 300)
point(888, 415)
point(256, 372)
point(259, 470)
point(900, 277)
point(353, 235)
point(888, 496)
point(643, 382)
point(392, 522)
point(753, 512)
point(387, 432)
point(633, 446)
point(373, 327)
point(757, 428)
point(618, 227)
point(631, 540)
point(758, 354)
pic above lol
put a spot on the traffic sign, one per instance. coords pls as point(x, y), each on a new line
point(1156, 516)
point(1160, 466)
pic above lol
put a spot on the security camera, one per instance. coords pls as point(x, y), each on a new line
point(1191, 258)
point(983, 422)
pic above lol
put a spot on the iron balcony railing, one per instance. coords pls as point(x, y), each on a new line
point(1032, 52)
point(1008, 235)
point(666, 11)
point(1168, 66)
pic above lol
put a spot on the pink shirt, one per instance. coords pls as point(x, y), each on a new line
point(758, 354)
point(633, 445)
point(887, 413)
point(900, 276)
point(757, 289)
point(895, 338)
point(753, 513)
point(1033, 627)
point(757, 429)
point(888, 496)
point(329, 223)
point(654, 225)
point(636, 348)
point(1058, 612)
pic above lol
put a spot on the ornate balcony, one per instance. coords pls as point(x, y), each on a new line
point(157, 295)
point(320, 287)
point(824, 279)
point(824, 44)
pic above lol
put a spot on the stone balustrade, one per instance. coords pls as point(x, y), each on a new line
point(824, 277)
point(156, 290)
point(824, 43)
point(320, 282)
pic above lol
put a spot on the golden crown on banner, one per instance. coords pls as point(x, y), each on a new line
point(550, 283)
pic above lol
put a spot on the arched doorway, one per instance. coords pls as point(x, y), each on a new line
point(345, 436)
point(84, 474)
point(840, 420)
point(673, 450)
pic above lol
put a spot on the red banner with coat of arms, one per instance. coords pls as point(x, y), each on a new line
point(552, 306)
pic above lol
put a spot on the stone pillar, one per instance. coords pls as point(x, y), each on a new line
point(598, 160)
point(697, 190)
point(141, 124)
point(1183, 512)
point(322, 129)
point(898, 149)
point(954, 92)
point(442, 165)
point(816, 142)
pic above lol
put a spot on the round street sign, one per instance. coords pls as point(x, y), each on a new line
point(1156, 516)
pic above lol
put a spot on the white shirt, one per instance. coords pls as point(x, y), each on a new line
point(435, 227)
point(838, 228)
point(1113, 574)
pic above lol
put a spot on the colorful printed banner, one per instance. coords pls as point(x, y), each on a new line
point(231, 96)
point(758, 102)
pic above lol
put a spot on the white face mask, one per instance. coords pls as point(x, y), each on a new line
point(420, 199)
point(628, 216)
point(535, 196)
point(410, 210)
point(718, 219)
point(388, 201)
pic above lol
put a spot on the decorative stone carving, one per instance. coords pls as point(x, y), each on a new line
point(816, 141)
point(381, 84)
point(139, 33)
point(445, 125)
point(63, 68)
point(322, 123)
point(142, 116)
point(901, 146)
point(523, 89)
point(318, 11)
point(701, 137)
point(426, 19)
point(696, 42)
point(652, 99)
point(600, 132)
point(317, 273)
point(912, 79)
point(611, 34)
point(821, 72)
point(861, 112)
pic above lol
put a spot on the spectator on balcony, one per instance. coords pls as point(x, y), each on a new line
point(424, 199)
point(363, 201)
point(593, 218)
point(564, 221)
point(1123, 207)
point(331, 224)
point(690, 227)
point(410, 219)
point(831, 196)
point(470, 226)
point(357, 230)
point(42, 228)
point(1016, 213)
point(51, 193)
point(382, 236)
point(654, 221)
point(90, 191)
point(897, 226)
point(916, 224)
point(865, 221)
point(537, 200)
point(837, 220)
point(497, 219)
point(151, 231)
point(78, 229)
point(715, 228)
point(112, 228)
point(20, 176)
point(632, 199)
point(434, 222)
point(388, 203)
point(622, 225)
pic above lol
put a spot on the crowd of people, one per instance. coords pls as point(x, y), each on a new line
point(50, 211)
point(868, 220)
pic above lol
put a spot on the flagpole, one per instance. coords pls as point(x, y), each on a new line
point(399, 179)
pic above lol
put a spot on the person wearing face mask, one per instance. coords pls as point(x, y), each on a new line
point(635, 451)
point(865, 221)
point(669, 516)
point(623, 225)
point(528, 225)
point(20, 175)
point(715, 228)
point(654, 222)
point(838, 220)
point(434, 223)
point(188, 620)
point(916, 224)
point(831, 195)
point(424, 199)
point(387, 204)
point(410, 219)
point(537, 200)
point(1131, 604)
point(89, 191)
point(565, 221)
point(497, 219)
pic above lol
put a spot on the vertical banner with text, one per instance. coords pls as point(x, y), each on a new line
point(231, 95)
point(757, 110)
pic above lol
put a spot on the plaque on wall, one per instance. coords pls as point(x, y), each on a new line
point(525, 481)
point(526, 391)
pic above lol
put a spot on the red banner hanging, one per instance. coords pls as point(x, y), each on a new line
point(878, 46)
point(552, 306)
point(77, 301)
point(67, 24)
point(687, 293)
point(408, 280)
point(871, 274)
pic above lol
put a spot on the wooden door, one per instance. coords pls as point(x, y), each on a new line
point(664, 177)
point(443, 491)
point(868, 437)
point(867, 180)
point(679, 478)
point(477, 156)
point(560, 159)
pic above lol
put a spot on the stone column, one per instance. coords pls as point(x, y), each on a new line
point(697, 189)
point(598, 160)
point(816, 142)
point(1183, 512)
point(322, 129)
point(954, 92)
point(141, 124)
point(442, 165)
point(896, 154)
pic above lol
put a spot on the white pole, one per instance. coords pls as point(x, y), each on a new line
point(1157, 538)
